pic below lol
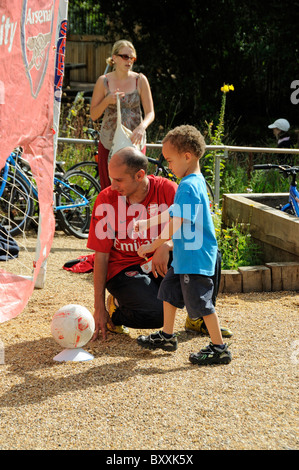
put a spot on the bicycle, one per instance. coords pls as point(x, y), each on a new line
point(74, 195)
point(91, 167)
point(292, 207)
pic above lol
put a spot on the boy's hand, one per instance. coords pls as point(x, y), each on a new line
point(144, 249)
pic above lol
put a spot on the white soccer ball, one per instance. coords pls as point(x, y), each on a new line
point(72, 326)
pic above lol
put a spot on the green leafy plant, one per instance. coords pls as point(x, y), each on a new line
point(74, 122)
point(236, 244)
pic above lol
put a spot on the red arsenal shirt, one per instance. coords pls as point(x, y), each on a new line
point(111, 228)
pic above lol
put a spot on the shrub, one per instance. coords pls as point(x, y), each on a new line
point(236, 244)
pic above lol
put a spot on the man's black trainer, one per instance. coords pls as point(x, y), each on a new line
point(158, 341)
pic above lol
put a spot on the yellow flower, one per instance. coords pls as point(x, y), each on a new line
point(227, 88)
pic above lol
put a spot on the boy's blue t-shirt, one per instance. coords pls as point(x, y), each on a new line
point(194, 244)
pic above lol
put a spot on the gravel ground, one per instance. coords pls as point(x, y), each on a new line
point(130, 399)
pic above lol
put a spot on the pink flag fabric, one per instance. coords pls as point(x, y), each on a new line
point(32, 43)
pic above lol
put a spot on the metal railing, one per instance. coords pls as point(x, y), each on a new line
point(213, 148)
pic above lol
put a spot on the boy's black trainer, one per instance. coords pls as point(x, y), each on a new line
point(211, 354)
point(158, 341)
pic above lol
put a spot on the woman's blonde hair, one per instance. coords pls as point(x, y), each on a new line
point(117, 47)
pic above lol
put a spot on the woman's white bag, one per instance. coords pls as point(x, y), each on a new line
point(122, 134)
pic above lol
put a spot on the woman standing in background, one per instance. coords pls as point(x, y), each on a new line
point(134, 91)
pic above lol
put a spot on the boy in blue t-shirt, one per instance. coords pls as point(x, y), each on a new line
point(188, 221)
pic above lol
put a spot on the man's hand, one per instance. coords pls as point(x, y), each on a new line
point(101, 319)
point(101, 316)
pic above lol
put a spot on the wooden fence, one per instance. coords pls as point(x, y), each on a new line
point(90, 50)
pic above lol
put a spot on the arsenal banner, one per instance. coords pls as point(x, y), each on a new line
point(32, 46)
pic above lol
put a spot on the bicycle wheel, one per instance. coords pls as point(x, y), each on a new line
point(16, 205)
point(75, 195)
point(89, 167)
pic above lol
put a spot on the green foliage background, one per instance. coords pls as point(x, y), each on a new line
point(189, 49)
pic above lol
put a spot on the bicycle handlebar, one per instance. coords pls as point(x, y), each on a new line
point(265, 166)
point(284, 168)
point(153, 160)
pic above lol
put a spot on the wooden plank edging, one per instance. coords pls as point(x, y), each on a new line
point(271, 277)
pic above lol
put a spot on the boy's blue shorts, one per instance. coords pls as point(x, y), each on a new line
point(193, 291)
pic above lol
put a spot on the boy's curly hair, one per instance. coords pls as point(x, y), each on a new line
point(186, 138)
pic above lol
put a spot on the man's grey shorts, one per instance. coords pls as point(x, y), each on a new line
point(193, 291)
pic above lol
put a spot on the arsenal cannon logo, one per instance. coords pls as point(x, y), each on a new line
point(36, 35)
